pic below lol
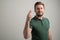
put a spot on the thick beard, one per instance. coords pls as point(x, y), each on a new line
point(38, 15)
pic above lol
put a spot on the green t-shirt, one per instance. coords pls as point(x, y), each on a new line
point(39, 28)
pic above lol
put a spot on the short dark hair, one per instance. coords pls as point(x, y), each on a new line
point(39, 3)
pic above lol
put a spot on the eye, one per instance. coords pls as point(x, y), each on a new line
point(41, 8)
point(37, 8)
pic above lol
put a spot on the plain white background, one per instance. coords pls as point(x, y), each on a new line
point(13, 14)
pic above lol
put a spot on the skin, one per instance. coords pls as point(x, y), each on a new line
point(39, 10)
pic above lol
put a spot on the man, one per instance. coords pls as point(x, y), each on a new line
point(38, 26)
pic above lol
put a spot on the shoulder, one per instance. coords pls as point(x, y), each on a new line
point(33, 18)
point(45, 18)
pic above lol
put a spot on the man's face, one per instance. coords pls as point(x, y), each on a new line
point(39, 10)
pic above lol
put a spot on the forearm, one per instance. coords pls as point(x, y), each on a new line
point(50, 35)
point(50, 38)
point(26, 30)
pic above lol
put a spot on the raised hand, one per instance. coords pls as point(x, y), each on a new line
point(29, 16)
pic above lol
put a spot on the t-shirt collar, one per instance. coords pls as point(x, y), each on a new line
point(37, 18)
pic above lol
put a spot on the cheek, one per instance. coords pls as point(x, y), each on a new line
point(42, 10)
point(36, 11)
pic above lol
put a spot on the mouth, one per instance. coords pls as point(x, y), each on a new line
point(39, 14)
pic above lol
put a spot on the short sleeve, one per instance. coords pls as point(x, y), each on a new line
point(48, 23)
point(31, 24)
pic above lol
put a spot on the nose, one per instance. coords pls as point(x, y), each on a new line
point(39, 10)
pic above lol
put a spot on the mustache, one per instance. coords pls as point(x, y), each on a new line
point(39, 15)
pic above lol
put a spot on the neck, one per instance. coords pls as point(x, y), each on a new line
point(39, 17)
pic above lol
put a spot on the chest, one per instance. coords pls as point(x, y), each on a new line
point(41, 25)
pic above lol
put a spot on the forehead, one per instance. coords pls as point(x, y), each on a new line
point(39, 6)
